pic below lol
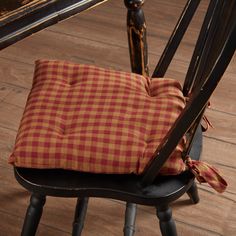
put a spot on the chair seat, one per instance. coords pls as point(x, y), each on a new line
point(66, 183)
point(125, 187)
point(90, 119)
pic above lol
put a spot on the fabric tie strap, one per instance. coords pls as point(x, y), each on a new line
point(206, 173)
point(207, 122)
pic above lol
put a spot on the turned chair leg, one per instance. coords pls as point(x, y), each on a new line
point(167, 224)
point(80, 213)
point(33, 215)
point(130, 216)
point(193, 193)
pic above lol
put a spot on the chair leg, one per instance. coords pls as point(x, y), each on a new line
point(167, 224)
point(80, 213)
point(130, 216)
point(33, 215)
point(193, 193)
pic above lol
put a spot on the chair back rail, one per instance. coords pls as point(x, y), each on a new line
point(200, 96)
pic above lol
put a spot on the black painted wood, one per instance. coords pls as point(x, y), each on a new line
point(80, 214)
point(136, 28)
point(206, 55)
point(221, 23)
point(33, 215)
point(7, 6)
point(193, 193)
point(167, 224)
point(130, 216)
point(199, 98)
point(138, 51)
point(32, 18)
point(191, 73)
point(175, 38)
point(127, 188)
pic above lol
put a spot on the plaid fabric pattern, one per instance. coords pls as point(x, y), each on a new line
point(90, 119)
point(206, 173)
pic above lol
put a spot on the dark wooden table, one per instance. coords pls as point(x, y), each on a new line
point(21, 18)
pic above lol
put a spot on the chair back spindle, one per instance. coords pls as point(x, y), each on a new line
point(175, 39)
point(215, 37)
point(215, 27)
point(199, 60)
point(201, 94)
point(136, 29)
point(204, 32)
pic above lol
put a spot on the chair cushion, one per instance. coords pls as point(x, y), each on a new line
point(85, 118)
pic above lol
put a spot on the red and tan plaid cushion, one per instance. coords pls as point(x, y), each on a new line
point(86, 118)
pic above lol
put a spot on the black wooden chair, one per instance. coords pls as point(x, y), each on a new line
point(213, 52)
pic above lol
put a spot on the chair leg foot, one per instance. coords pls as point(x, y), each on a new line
point(167, 224)
point(33, 215)
point(130, 216)
point(193, 193)
point(80, 213)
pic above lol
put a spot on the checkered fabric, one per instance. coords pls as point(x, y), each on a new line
point(90, 119)
point(206, 173)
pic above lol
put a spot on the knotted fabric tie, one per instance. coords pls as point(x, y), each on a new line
point(208, 124)
point(206, 173)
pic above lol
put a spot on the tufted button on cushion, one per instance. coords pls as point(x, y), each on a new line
point(85, 118)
